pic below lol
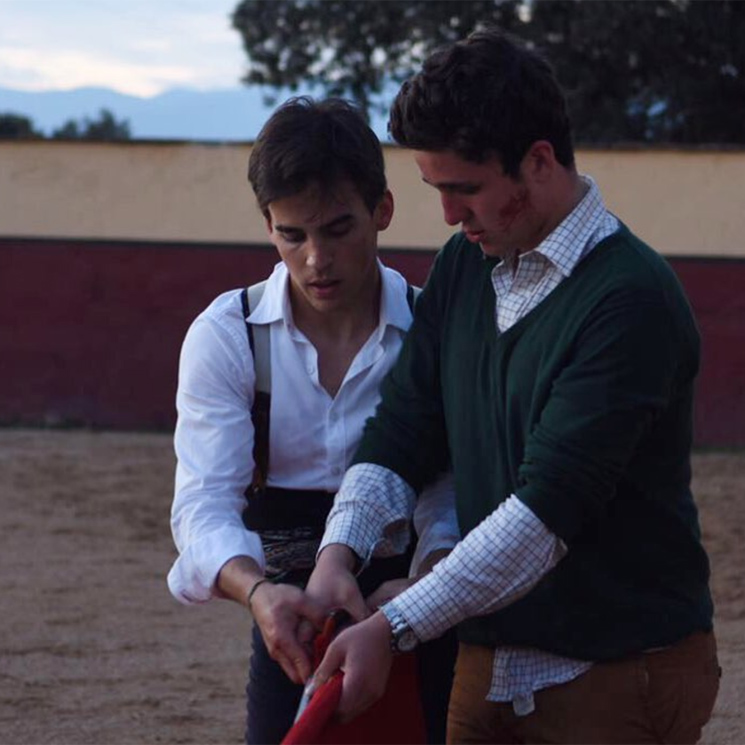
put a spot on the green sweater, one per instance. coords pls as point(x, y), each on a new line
point(583, 409)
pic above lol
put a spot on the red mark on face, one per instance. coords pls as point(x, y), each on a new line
point(515, 207)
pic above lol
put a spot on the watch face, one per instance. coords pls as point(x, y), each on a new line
point(406, 641)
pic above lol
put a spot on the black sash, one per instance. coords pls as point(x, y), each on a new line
point(290, 523)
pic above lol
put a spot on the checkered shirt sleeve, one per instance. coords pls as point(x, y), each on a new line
point(498, 562)
point(371, 513)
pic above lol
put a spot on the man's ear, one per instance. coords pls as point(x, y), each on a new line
point(540, 161)
point(268, 222)
point(384, 211)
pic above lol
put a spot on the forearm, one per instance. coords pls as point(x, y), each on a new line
point(337, 556)
point(238, 577)
point(333, 583)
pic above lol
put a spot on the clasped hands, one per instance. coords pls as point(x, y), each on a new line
point(290, 618)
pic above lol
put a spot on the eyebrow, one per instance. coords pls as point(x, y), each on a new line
point(449, 185)
point(346, 217)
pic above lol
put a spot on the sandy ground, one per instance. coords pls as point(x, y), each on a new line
point(93, 649)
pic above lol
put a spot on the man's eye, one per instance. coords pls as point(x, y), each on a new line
point(293, 237)
point(339, 232)
point(340, 229)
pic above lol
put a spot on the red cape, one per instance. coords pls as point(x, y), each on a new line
point(395, 719)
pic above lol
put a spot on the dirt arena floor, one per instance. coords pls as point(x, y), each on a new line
point(93, 649)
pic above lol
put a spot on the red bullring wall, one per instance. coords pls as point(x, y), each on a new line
point(91, 330)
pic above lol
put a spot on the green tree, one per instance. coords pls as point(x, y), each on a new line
point(657, 70)
point(17, 127)
point(103, 129)
point(70, 130)
point(350, 48)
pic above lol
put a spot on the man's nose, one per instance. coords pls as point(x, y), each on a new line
point(318, 255)
point(453, 209)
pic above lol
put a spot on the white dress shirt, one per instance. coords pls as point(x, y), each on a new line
point(510, 551)
point(312, 435)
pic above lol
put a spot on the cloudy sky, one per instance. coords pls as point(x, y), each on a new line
point(139, 47)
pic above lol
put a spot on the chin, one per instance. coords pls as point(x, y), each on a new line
point(488, 249)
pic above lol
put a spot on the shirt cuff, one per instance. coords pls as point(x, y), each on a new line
point(194, 573)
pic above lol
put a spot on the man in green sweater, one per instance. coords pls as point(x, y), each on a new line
point(552, 359)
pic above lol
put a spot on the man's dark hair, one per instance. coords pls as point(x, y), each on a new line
point(308, 142)
point(486, 95)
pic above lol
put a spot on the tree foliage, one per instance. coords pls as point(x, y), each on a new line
point(351, 48)
point(657, 70)
point(105, 128)
point(17, 127)
point(660, 70)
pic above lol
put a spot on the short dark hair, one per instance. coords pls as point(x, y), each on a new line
point(308, 142)
point(486, 95)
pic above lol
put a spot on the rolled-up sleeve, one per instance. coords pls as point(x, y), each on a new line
point(213, 443)
point(372, 512)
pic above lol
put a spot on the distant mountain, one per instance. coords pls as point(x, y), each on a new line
point(231, 114)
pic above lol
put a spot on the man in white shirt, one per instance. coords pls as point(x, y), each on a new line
point(247, 527)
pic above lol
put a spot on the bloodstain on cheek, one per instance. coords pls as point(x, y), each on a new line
point(516, 206)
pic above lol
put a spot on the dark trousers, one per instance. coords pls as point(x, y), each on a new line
point(271, 697)
point(436, 663)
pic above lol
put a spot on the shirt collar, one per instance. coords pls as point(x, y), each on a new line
point(573, 237)
point(394, 305)
point(275, 302)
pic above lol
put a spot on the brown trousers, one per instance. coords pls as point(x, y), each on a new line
point(657, 697)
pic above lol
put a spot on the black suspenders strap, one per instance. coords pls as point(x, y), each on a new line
point(262, 393)
point(412, 293)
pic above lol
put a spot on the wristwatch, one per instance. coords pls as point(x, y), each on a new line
point(403, 638)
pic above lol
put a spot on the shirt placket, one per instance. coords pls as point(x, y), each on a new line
point(336, 440)
point(336, 422)
point(502, 280)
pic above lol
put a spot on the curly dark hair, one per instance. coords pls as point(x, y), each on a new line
point(489, 94)
point(308, 142)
